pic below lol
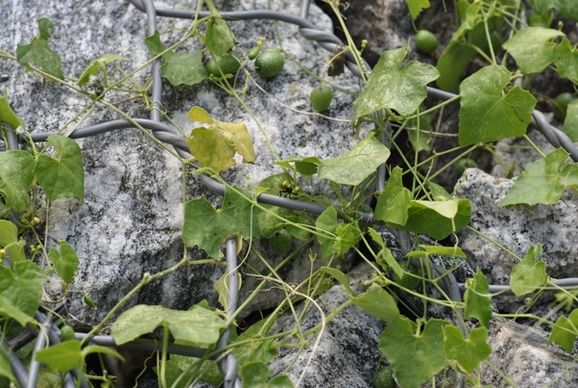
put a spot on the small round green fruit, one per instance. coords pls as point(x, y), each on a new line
point(223, 65)
point(320, 97)
point(269, 63)
point(426, 41)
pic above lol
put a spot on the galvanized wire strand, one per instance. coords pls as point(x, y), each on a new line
point(11, 137)
point(15, 364)
point(41, 340)
point(228, 364)
point(156, 66)
point(562, 283)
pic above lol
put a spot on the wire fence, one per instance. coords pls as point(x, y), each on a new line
point(49, 332)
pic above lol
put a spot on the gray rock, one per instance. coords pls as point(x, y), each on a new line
point(346, 352)
point(521, 356)
point(516, 227)
point(130, 221)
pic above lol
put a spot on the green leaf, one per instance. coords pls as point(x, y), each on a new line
point(255, 348)
point(467, 352)
point(5, 368)
point(438, 219)
point(567, 8)
point(566, 60)
point(394, 202)
point(8, 233)
point(453, 64)
point(184, 368)
point(62, 176)
point(530, 273)
point(352, 167)
point(232, 219)
point(218, 37)
point(488, 112)
point(326, 224)
point(416, 6)
point(21, 285)
point(197, 326)
point(384, 257)
point(38, 52)
point(45, 28)
point(571, 121)
point(99, 65)
point(184, 68)
point(415, 358)
point(7, 115)
point(340, 277)
point(477, 299)
point(377, 303)
point(212, 149)
point(394, 85)
point(65, 261)
point(16, 175)
point(542, 181)
point(216, 146)
point(533, 48)
point(7, 309)
point(565, 331)
point(62, 357)
point(154, 44)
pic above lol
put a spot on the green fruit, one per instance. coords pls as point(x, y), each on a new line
point(320, 97)
point(66, 333)
point(269, 63)
point(254, 52)
point(426, 42)
point(560, 104)
point(224, 65)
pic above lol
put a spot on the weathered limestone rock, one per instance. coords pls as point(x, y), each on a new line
point(346, 355)
point(521, 356)
point(516, 227)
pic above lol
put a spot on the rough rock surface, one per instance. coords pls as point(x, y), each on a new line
point(521, 356)
point(516, 227)
point(130, 221)
point(346, 354)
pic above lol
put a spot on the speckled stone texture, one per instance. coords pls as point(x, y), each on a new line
point(130, 221)
point(346, 354)
point(523, 356)
point(516, 227)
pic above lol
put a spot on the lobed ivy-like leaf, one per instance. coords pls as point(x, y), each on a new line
point(571, 121)
point(488, 112)
point(38, 52)
point(208, 228)
point(529, 274)
point(9, 241)
point(16, 176)
point(352, 167)
point(565, 331)
point(63, 175)
point(415, 358)
point(346, 235)
point(394, 202)
point(543, 181)
point(378, 303)
point(65, 261)
point(477, 299)
point(417, 6)
point(184, 68)
point(21, 285)
point(7, 115)
point(97, 66)
point(438, 219)
point(62, 357)
point(566, 60)
point(197, 326)
point(470, 352)
point(533, 48)
point(394, 85)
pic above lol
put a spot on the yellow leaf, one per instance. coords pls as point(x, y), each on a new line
point(200, 115)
